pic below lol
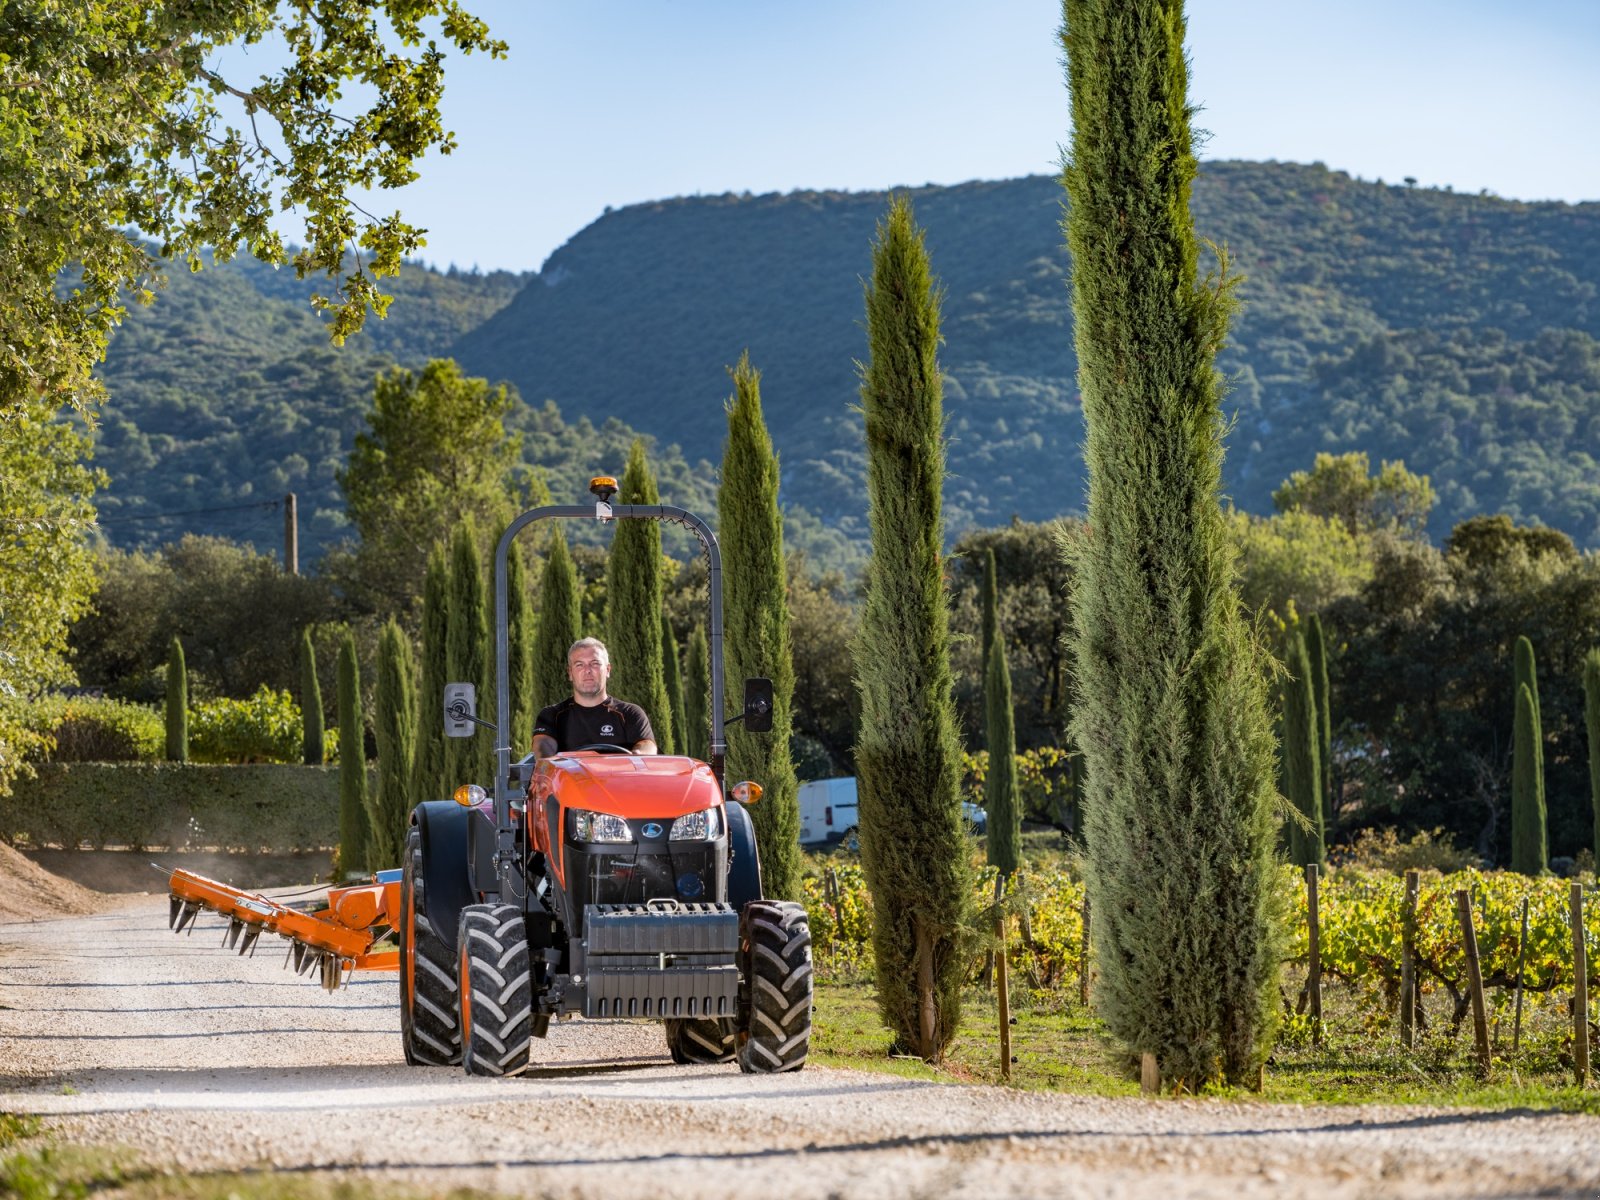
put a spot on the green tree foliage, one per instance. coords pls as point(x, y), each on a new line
point(1591, 720)
point(697, 697)
point(1317, 660)
point(1297, 561)
point(1302, 764)
point(674, 680)
point(1002, 797)
point(519, 653)
point(389, 811)
point(355, 832)
point(908, 766)
point(822, 621)
point(468, 759)
point(560, 624)
point(1172, 712)
point(750, 528)
point(1529, 846)
point(1342, 488)
point(435, 454)
point(46, 570)
point(1481, 542)
point(989, 628)
point(429, 777)
point(311, 716)
point(634, 599)
point(177, 705)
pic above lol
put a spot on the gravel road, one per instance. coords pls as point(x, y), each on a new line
point(120, 1034)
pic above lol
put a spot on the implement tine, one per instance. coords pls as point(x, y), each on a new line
point(247, 944)
point(231, 938)
point(174, 907)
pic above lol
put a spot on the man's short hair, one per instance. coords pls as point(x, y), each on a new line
point(590, 643)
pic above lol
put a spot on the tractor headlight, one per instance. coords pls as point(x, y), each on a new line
point(699, 826)
point(599, 827)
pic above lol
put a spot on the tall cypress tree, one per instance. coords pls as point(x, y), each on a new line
point(989, 613)
point(560, 623)
point(673, 676)
point(428, 767)
point(1302, 769)
point(177, 704)
point(519, 654)
point(1526, 674)
point(1317, 655)
point(355, 832)
point(750, 527)
point(1001, 793)
point(913, 848)
point(633, 601)
point(1591, 720)
point(1172, 715)
point(1529, 841)
point(468, 759)
point(389, 810)
point(312, 738)
point(697, 697)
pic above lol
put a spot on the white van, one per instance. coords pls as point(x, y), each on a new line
point(828, 811)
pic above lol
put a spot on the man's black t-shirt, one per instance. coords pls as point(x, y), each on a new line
point(613, 722)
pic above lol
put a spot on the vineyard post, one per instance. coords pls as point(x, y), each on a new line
point(1314, 975)
point(1522, 958)
point(1149, 1075)
point(1580, 990)
point(1408, 963)
point(1469, 940)
point(1002, 980)
point(1083, 955)
point(830, 893)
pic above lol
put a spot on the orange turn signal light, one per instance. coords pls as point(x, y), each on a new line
point(468, 795)
point(747, 792)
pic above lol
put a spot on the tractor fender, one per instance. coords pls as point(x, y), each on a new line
point(443, 826)
point(744, 866)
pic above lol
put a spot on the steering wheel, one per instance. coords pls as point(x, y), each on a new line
point(607, 748)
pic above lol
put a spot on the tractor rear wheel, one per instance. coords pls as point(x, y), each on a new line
point(707, 1040)
point(775, 944)
point(428, 1026)
point(496, 990)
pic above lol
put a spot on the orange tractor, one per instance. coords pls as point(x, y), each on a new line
point(594, 883)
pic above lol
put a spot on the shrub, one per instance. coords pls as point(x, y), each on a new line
point(1384, 850)
point(96, 729)
point(266, 728)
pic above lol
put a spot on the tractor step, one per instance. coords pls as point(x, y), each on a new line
point(332, 941)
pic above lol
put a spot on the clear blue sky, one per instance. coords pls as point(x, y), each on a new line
point(612, 102)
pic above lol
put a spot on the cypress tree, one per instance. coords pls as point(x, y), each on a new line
point(697, 697)
point(989, 610)
point(428, 765)
point(1172, 716)
point(674, 680)
point(1591, 720)
point(1302, 770)
point(355, 832)
point(1526, 674)
point(396, 730)
point(177, 704)
point(312, 739)
point(750, 527)
point(468, 759)
point(633, 602)
point(519, 655)
point(1001, 793)
point(1317, 655)
point(559, 625)
point(1529, 852)
point(913, 848)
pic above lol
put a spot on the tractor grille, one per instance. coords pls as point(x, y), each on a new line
point(636, 874)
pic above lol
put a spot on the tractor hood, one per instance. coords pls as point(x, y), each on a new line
point(631, 785)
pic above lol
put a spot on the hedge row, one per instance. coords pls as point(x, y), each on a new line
point(263, 807)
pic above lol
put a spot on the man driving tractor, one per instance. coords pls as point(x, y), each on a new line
point(591, 716)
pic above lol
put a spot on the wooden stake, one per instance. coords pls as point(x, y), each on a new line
point(1083, 955)
point(1522, 959)
point(1469, 940)
point(1149, 1076)
point(1580, 990)
point(1408, 963)
point(1003, 991)
point(1314, 977)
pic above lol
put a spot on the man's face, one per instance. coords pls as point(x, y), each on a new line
point(589, 671)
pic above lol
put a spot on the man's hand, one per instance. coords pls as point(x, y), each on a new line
point(544, 745)
point(645, 746)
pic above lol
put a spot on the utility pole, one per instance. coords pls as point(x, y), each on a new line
point(291, 537)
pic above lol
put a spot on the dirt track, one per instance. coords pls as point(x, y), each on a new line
point(121, 1034)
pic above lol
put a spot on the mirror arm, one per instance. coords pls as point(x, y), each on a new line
point(460, 713)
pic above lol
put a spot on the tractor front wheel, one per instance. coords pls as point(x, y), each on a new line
point(709, 1040)
point(428, 1027)
point(775, 944)
point(496, 990)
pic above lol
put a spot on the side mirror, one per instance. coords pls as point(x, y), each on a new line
point(460, 709)
point(758, 705)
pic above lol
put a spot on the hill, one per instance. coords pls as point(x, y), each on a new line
point(1456, 332)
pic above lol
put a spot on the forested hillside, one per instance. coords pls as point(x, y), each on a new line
point(1460, 333)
